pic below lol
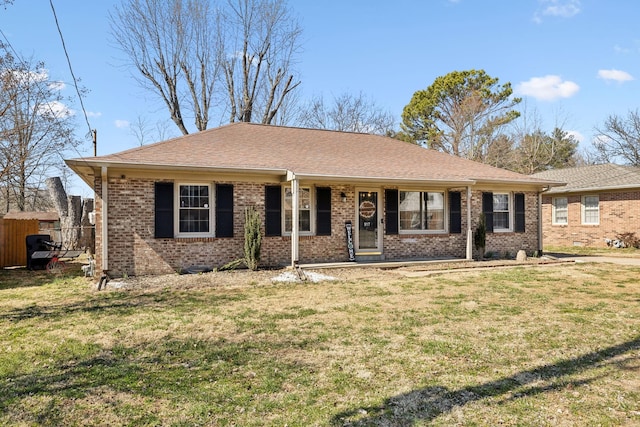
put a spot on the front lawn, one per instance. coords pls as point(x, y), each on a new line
point(527, 346)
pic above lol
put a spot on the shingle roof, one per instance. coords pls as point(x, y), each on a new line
point(593, 178)
point(305, 152)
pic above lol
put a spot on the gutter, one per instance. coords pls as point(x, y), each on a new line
point(592, 189)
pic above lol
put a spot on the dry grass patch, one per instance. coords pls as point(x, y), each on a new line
point(548, 345)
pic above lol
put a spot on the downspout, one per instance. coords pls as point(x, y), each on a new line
point(469, 231)
point(295, 245)
point(105, 233)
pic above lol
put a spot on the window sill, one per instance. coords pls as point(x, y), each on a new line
point(422, 233)
point(196, 238)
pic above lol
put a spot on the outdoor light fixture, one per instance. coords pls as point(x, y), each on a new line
point(343, 196)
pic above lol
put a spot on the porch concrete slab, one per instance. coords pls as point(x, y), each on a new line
point(385, 264)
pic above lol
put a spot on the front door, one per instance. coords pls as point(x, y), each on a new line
point(369, 234)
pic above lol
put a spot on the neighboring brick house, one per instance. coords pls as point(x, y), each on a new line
point(181, 202)
point(598, 203)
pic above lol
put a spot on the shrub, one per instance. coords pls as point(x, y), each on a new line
point(252, 238)
point(629, 240)
point(480, 236)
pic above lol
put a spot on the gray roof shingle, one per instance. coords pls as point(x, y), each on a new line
point(305, 152)
point(593, 178)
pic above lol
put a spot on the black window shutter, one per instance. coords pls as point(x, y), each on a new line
point(487, 210)
point(455, 212)
point(224, 210)
point(273, 210)
point(519, 209)
point(323, 211)
point(164, 210)
point(391, 211)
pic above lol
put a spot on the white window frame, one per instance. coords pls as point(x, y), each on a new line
point(584, 210)
point(178, 207)
point(423, 212)
point(555, 210)
point(311, 208)
point(509, 211)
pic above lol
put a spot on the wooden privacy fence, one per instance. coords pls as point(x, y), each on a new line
point(13, 240)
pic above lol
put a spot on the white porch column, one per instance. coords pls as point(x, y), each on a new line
point(295, 226)
point(540, 234)
point(469, 231)
point(105, 225)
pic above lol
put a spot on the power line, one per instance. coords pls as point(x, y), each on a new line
point(75, 81)
point(7, 46)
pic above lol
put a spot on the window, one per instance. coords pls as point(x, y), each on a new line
point(590, 210)
point(279, 202)
point(304, 210)
point(421, 211)
point(560, 210)
point(184, 210)
point(501, 213)
point(194, 213)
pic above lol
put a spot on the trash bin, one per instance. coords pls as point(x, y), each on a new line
point(35, 242)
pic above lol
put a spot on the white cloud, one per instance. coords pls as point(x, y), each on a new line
point(122, 124)
point(616, 75)
point(547, 88)
point(56, 109)
point(557, 8)
point(620, 49)
point(576, 135)
point(29, 77)
point(94, 114)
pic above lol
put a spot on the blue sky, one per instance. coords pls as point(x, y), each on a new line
point(575, 62)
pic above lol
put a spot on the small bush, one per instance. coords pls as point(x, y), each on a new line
point(629, 240)
point(252, 238)
point(480, 236)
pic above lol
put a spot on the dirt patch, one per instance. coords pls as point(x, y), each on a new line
point(243, 277)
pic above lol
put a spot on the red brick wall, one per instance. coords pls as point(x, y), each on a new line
point(509, 243)
point(133, 250)
point(619, 213)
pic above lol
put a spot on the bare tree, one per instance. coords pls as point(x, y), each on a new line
point(174, 46)
point(146, 132)
point(36, 128)
point(619, 139)
point(233, 60)
point(500, 152)
point(261, 39)
point(348, 113)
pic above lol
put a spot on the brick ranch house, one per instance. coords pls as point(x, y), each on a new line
point(181, 202)
point(598, 203)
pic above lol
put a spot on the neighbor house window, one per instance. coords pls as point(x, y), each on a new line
point(501, 213)
point(194, 209)
point(304, 210)
point(560, 210)
point(421, 211)
point(590, 210)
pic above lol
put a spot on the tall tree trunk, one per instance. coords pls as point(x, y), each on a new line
point(70, 210)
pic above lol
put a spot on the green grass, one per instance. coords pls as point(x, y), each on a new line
point(543, 346)
point(595, 251)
